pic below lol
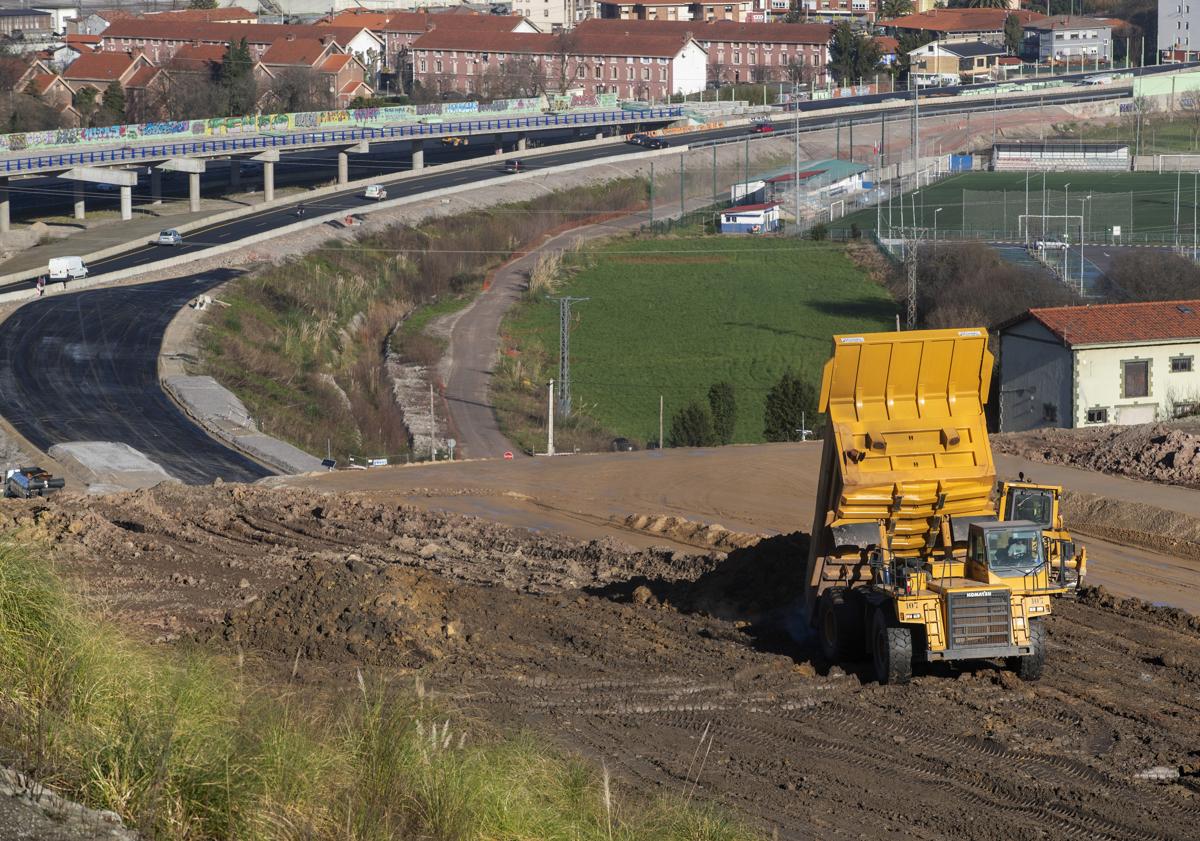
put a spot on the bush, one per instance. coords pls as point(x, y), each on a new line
point(818, 232)
point(791, 403)
point(723, 404)
point(692, 426)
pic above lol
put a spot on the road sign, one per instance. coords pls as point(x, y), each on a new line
point(508, 456)
point(378, 462)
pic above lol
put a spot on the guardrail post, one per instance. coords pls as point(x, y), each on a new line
point(4, 214)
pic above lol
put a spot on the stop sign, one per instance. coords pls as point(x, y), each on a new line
point(508, 455)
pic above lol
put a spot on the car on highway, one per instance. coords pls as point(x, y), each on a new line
point(169, 237)
point(375, 191)
point(1100, 79)
point(1049, 244)
point(647, 142)
point(762, 128)
point(455, 141)
point(514, 166)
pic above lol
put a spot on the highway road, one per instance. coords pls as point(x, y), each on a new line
point(84, 367)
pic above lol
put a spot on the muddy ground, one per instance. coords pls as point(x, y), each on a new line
point(633, 656)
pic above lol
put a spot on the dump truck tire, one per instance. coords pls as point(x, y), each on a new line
point(891, 648)
point(1030, 666)
point(839, 626)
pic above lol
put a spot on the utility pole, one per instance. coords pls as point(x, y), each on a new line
point(911, 260)
point(550, 421)
point(660, 421)
point(795, 176)
point(432, 421)
point(564, 353)
point(652, 192)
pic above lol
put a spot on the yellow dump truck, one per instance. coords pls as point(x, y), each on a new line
point(1025, 499)
point(907, 561)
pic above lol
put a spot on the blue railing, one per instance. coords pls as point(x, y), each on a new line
point(159, 151)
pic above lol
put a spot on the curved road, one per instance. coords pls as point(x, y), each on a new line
point(84, 367)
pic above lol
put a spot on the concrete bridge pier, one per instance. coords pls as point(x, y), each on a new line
point(126, 203)
point(361, 148)
point(194, 167)
point(125, 179)
point(79, 203)
point(522, 142)
point(194, 192)
point(155, 185)
point(268, 159)
point(418, 155)
point(5, 218)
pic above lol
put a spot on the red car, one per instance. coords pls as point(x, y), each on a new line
point(762, 128)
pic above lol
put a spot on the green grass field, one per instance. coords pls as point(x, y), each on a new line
point(1142, 204)
point(672, 316)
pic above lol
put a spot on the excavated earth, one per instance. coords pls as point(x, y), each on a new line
point(684, 672)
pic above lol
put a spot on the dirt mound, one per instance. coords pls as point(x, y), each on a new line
point(682, 530)
point(1161, 452)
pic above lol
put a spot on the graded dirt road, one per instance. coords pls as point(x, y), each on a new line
point(767, 489)
point(686, 673)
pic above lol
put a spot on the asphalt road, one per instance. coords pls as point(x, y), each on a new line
point(84, 367)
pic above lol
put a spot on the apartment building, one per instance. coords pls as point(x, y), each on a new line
point(1069, 38)
point(1176, 40)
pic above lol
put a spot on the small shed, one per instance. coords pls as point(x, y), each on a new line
point(750, 219)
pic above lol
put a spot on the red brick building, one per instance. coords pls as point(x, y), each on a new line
point(642, 65)
point(745, 52)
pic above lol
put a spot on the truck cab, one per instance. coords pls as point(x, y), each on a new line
point(1026, 500)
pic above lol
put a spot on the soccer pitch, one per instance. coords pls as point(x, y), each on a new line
point(1002, 206)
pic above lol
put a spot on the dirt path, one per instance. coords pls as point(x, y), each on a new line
point(767, 489)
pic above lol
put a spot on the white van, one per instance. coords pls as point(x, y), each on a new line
point(67, 268)
point(375, 191)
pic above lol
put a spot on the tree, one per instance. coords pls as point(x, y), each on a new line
point(565, 49)
point(895, 8)
point(203, 4)
point(692, 427)
point(722, 402)
point(818, 232)
point(791, 403)
point(799, 73)
point(1014, 34)
point(113, 100)
point(301, 89)
point(909, 41)
point(236, 76)
point(852, 55)
point(85, 103)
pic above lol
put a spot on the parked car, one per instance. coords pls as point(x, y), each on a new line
point(67, 268)
point(762, 128)
point(514, 166)
point(169, 237)
point(622, 445)
point(375, 191)
point(647, 142)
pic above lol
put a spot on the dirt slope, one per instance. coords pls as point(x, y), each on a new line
point(682, 671)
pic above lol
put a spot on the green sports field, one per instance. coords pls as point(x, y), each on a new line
point(673, 315)
point(990, 205)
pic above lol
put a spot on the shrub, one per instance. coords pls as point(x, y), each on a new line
point(723, 404)
point(692, 426)
point(818, 232)
point(791, 403)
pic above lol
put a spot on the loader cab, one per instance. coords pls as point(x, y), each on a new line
point(1011, 549)
point(1036, 503)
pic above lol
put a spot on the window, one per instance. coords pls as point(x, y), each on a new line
point(1097, 415)
point(599, 72)
point(645, 74)
point(1049, 413)
point(1135, 378)
point(616, 73)
point(1181, 364)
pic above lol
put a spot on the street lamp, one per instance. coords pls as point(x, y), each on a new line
point(935, 213)
point(1083, 205)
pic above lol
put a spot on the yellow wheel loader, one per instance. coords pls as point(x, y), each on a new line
point(1027, 500)
point(907, 562)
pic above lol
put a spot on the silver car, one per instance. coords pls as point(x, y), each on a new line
point(169, 237)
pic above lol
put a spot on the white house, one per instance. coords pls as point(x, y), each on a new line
point(1069, 38)
point(1106, 364)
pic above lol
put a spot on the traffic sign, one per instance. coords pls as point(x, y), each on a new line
point(508, 456)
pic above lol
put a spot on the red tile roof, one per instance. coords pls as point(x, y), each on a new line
point(305, 51)
point(375, 21)
point(335, 63)
point(197, 58)
point(722, 30)
point(141, 77)
point(887, 44)
point(149, 29)
point(42, 82)
point(960, 20)
point(80, 40)
point(1122, 323)
point(1067, 22)
point(234, 13)
point(103, 66)
point(583, 43)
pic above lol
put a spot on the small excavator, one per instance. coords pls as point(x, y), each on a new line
point(28, 482)
point(1025, 499)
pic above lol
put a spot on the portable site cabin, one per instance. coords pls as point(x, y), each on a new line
point(750, 219)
